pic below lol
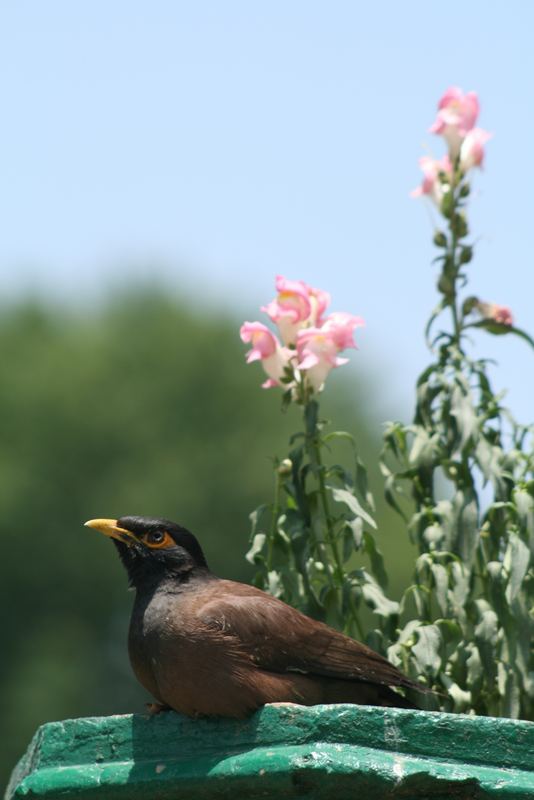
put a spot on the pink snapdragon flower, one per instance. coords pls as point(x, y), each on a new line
point(318, 348)
point(296, 306)
point(472, 149)
point(432, 184)
point(341, 326)
point(501, 314)
point(457, 115)
point(267, 349)
point(313, 341)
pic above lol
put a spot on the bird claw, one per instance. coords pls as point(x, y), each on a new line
point(156, 708)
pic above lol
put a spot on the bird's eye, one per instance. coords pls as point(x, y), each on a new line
point(157, 539)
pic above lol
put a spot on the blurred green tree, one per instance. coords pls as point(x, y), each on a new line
point(142, 407)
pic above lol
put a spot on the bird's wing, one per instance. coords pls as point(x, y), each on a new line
point(279, 638)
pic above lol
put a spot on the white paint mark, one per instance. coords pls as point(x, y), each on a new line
point(160, 768)
point(398, 770)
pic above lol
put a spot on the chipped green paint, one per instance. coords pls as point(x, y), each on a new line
point(281, 752)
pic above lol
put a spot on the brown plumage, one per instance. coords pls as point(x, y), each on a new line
point(203, 645)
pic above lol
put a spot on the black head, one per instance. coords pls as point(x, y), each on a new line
point(153, 550)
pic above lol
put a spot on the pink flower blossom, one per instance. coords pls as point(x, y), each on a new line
point(314, 342)
point(296, 306)
point(501, 314)
point(432, 184)
point(267, 348)
point(457, 115)
point(319, 301)
point(342, 325)
point(318, 348)
point(472, 149)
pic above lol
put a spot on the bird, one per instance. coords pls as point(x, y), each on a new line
point(205, 646)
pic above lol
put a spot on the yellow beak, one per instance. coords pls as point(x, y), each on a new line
point(110, 528)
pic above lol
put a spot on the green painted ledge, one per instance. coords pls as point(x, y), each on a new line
point(342, 751)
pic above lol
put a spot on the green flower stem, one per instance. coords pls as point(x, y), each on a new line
point(274, 517)
point(356, 618)
point(452, 254)
point(315, 451)
point(455, 189)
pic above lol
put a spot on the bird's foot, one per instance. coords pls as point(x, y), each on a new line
point(156, 708)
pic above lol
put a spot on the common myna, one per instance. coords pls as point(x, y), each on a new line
point(203, 645)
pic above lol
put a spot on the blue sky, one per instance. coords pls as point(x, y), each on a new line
point(219, 143)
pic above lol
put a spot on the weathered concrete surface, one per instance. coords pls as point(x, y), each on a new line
point(321, 752)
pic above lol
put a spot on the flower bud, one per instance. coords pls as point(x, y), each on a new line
point(447, 204)
point(459, 225)
point(285, 467)
point(440, 240)
point(496, 313)
point(466, 255)
point(469, 304)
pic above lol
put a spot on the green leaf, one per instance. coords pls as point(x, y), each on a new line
point(286, 400)
point(416, 593)
point(362, 483)
point(347, 541)
point(331, 603)
point(463, 411)
point(486, 633)
point(256, 515)
point(461, 699)
point(524, 502)
point(441, 585)
point(489, 458)
point(426, 650)
point(339, 435)
point(516, 562)
point(376, 558)
point(509, 691)
point(425, 448)
point(474, 667)
point(389, 494)
point(339, 472)
point(374, 596)
point(405, 640)
point(347, 498)
point(395, 438)
point(499, 329)
point(451, 633)
point(274, 585)
point(433, 535)
point(466, 509)
point(355, 526)
point(445, 512)
point(460, 585)
point(254, 554)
